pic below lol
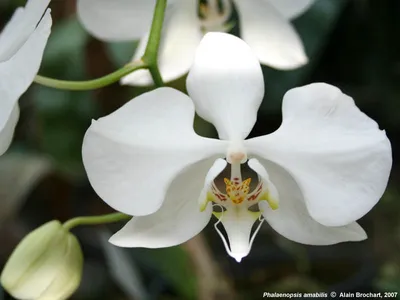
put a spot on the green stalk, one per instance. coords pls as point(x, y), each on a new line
point(150, 56)
point(91, 84)
point(95, 220)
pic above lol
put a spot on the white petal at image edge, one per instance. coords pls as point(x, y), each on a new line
point(16, 76)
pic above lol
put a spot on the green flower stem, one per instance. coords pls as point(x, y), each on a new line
point(150, 56)
point(156, 75)
point(95, 220)
point(91, 84)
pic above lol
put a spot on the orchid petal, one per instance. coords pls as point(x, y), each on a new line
point(178, 219)
point(291, 218)
point(17, 74)
point(179, 40)
point(226, 84)
point(20, 27)
point(337, 154)
point(116, 20)
point(291, 9)
point(272, 37)
point(132, 155)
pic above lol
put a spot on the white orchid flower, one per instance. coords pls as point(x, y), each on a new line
point(264, 25)
point(323, 169)
point(22, 43)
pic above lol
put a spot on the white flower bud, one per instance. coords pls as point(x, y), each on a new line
point(46, 265)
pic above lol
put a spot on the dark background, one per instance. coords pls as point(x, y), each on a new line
point(352, 44)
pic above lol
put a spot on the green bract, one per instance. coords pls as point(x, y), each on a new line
point(47, 264)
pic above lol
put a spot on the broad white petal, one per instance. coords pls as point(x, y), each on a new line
point(116, 20)
point(178, 219)
point(270, 35)
point(8, 37)
point(16, 75)
point(291, 9)
point(291, 219)
point(337, 154)
point(132, 155)
point(180, 38)
point(226, 84)
point(20, 27)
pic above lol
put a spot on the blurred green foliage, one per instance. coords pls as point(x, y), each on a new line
point(64, 115)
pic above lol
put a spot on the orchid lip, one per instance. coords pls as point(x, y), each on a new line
point(234, 213)
point(239, 237)
point(239, 257)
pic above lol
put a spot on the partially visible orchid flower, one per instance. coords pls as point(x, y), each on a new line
point(22, 43)
point(264, 25)
point(325, 167)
